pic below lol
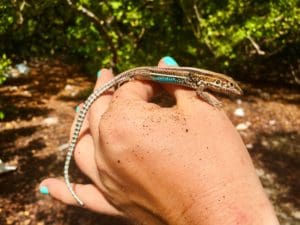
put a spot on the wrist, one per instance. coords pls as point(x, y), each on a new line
point(240, 202)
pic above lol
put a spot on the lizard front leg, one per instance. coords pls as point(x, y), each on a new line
point(207, 97)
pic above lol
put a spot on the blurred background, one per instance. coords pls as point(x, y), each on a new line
point(50, 52)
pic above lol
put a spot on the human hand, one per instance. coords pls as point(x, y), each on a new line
point(180, 165)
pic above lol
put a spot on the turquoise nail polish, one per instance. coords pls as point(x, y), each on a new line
point(77, 108)
point(168, 60)
point(44, 190)
point(98, 73)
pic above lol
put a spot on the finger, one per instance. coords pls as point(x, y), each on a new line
point(89, 194)
point(136, 90)
point(103, 76)
point(84, 157)
point(183, 95)
point(106, 76)
point(84, 126)
point(179, 92)
point(85, 149)
point(101, 104)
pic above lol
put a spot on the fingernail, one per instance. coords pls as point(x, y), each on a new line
point(44, 190)
point(77, 108)
point(168, 60)
point(98, 73)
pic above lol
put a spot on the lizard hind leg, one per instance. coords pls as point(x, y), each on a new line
point(208, 98)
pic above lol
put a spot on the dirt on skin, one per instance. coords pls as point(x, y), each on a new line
point(39, 110)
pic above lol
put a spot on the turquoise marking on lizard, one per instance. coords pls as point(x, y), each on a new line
point(164, 79)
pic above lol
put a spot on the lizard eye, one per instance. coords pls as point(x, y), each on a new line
point(218, 81)
point(231, 84)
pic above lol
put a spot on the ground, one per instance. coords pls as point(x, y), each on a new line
point(39, 110)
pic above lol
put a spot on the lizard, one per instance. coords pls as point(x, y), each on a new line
point(194, 78)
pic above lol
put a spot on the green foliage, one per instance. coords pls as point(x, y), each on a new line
point(4, 63)
point(229, 35)
point(2, 116)
point(238, 31)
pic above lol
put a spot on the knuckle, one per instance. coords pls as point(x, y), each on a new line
point(113, 125)
point(116, 129)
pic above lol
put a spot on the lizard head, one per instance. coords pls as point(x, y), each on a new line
point(224, 84)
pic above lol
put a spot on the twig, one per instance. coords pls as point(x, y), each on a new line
point(256, 46)
point(139, 38)
point(196, 29)
point(197, 13)
point(189, 20)
point(297, 79)
point(100, 24)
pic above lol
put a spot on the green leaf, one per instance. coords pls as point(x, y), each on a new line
point(2, 115)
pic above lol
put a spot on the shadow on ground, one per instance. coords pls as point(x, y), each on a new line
point(279, 153)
